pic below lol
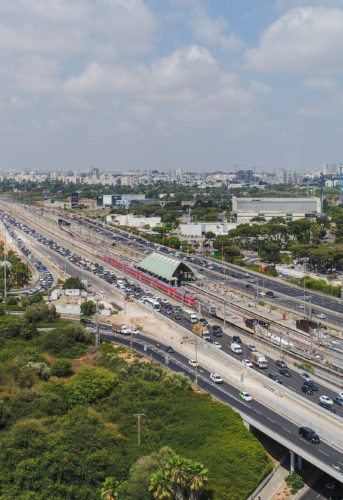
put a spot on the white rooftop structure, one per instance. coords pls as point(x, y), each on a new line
point(245, 209)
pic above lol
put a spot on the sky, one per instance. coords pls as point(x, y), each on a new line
point(200, 85)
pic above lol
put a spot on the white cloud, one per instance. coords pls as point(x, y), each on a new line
point(187, 83)
point(69, 27)
point(326, 84)
point(212, 31)
point(259, 88)
point(312, 111)
point(306, 39)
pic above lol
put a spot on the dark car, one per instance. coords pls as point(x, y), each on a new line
point(217, 331)
point(281, 363)
point(177, 316)
point(217, 327)
point(276, 377)
point(270, 293)
point(338, 401)
point(327, 407)
point(307, 389)
point(237, 338)
point(311, 384)
point(85, 321)
point(169, 349)
point(285, 371)
point(309, 434)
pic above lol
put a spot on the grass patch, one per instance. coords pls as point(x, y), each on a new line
point(307, 367)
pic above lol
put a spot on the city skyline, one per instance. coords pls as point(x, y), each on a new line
point(190, 84)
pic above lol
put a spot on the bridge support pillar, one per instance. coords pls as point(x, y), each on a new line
point(291, 461)
point(247, 425)
point(300, 462)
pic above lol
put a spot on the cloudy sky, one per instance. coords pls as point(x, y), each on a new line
point(191, 84)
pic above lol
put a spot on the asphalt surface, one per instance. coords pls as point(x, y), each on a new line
point(229, 395)
point(223, 392)
point(107, 283)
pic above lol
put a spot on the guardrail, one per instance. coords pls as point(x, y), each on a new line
point(331, 468)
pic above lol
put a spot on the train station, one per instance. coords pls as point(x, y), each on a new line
point(168, 269)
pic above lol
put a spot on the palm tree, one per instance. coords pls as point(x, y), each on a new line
point(109, 489)
point(160, 486)
point(196, 479)
point(176, 470)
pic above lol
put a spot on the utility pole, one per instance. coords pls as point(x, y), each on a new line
point(139, 416)
point(224, 313)
point(97, 336)
point(196, 364)
point(5, 264)
point(340, 184)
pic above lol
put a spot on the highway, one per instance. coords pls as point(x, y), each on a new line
point(331, 459)
point(294, 382)
point(256, 411)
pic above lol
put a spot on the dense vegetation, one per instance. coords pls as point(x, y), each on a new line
point(17, 275)
point(69, 431)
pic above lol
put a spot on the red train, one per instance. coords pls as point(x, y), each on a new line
point(151, 281)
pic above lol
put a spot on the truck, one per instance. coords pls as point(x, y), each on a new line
point(259, 359)
point(190, 316)
point(201, 332)
point(205, 334)
point(236, 348)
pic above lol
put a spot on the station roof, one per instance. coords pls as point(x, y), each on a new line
point(166, 267)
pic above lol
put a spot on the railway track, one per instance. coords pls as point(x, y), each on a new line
point(133, 260)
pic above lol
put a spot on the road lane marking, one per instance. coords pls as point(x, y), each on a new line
point(321, 451)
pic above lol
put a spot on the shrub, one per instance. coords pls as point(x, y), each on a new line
point(88, 308)
point(62, 368)
point(295, 482)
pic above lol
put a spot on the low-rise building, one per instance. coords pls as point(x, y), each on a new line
point(245, 209)
point(131, 220)
point(199, 229)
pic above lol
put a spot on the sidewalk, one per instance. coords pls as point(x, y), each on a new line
point(269, 491)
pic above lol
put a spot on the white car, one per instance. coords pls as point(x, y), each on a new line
point(164, 301)
point(305, 376)
point(245, 395)
point(102, 291)
point(340, 394)
point(326, 400)
point(217, 344)
point(134, 331)
point(193, 363)
point(321, 316)
point(216, 378)
point(247, 362)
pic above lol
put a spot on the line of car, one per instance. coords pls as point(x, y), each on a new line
point(135, 290)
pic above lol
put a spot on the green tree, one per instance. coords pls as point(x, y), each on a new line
point(210, 235)
point(73, 283)
point(62, 368)
point(197, 479)
point(88, 308)
point(176, 472)
point(109, 489)
point(41, 311)
point(160, 486)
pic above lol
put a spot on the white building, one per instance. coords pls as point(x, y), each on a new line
point(245, 209)
point(199, 229)
point(131, 220)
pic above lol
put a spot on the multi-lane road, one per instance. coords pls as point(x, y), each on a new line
point(258, 412)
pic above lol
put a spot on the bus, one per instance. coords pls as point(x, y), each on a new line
point(152, 304)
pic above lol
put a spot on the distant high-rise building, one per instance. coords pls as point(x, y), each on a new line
point(330, 168)
point(95, 171)
point(245, 176)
